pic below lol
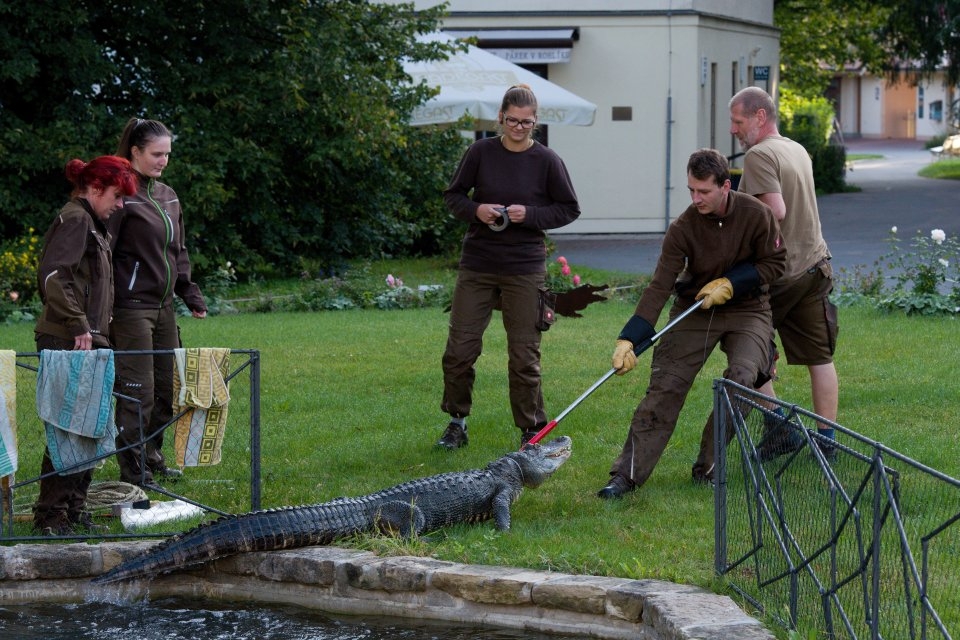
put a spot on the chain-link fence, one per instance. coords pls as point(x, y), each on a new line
point(216, 445)
point(845, 537)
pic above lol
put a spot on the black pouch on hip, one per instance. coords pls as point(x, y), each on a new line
point(546, 309)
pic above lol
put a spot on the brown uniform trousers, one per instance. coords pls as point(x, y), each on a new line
point(744, 335)
point(474, 299)
point(148, 380)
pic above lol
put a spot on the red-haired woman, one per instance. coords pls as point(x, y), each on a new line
point(75, 280)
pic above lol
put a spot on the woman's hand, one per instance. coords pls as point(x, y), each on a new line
point(517, 213)
point(83, 342)
point(489, 213)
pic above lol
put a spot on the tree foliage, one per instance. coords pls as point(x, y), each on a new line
point(882, 36)
point(928, 32)
point(290, 119)
point(820, 36)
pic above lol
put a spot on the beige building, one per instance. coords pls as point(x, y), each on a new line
point(660, 72)
point(874, 107)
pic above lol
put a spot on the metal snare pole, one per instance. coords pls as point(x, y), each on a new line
point(646, 344)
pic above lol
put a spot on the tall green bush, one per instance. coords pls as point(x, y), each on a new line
point(291, 121)
point(809, 121)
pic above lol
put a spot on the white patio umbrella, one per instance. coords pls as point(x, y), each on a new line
point(474, 82)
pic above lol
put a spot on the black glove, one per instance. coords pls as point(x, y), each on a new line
point(638, 331)
point(744, 277)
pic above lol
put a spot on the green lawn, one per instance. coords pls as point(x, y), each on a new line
point(946, 168)
point(350, 405)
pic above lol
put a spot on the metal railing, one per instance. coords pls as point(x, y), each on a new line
point(846, 538)
point(239, 471)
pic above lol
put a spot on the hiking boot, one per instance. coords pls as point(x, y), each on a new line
point(53, 525)
point(780, 437)
point(703, 477)
point(454, 437)
point(827, 448)
point(616, 488)
point(167, 473)
point(83, 523)
point(527, 436)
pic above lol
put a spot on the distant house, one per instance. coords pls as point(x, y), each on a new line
point(874, 107)
point(661, 73)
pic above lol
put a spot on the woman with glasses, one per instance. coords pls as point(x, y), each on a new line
point(509, 190)
point(151, 264)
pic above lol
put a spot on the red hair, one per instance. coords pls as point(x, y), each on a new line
point(101, 173)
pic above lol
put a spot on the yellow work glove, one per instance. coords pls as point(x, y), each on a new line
point(715, 292)
point(624, 359)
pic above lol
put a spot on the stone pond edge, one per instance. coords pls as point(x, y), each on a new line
point(351, 582)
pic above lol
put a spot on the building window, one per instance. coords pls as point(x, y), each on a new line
point(936, 110)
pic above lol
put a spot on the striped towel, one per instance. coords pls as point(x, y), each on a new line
point(75, 402)
point(200, 391)
point(8, 412)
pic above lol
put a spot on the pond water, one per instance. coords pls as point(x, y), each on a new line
point(175, 618)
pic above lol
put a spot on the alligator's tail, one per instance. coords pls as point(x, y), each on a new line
point(267, 530)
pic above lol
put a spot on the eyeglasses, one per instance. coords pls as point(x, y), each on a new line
point(513, 122)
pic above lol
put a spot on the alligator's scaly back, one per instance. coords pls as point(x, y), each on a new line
point(411, 508)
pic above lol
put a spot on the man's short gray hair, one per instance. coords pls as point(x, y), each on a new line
point(752, 99)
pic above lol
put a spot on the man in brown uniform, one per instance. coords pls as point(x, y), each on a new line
point(724, 249)
point(778, 171)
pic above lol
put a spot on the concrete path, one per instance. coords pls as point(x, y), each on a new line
point(856, 226)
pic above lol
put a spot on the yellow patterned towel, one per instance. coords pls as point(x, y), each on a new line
point(8, 413)
point(200, 389)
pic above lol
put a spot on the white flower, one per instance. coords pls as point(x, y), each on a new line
point(938, 236)
point(944, 262)
point(893, 229)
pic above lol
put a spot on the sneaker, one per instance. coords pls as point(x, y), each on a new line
point(780, 437)
point(454, 437)
point(616, 488)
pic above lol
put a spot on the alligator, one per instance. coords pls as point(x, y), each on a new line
point(409, 509)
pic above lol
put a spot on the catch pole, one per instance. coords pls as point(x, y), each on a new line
point(646, 344)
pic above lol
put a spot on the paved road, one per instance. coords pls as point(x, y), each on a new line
point(856, 226)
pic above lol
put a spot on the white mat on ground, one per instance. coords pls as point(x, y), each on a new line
point(158, 513)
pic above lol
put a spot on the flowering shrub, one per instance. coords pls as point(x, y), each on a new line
point(926, 274)
point(18, 278)
point(397, 295)
point(560, 278)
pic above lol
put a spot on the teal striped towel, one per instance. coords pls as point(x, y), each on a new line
point(75, 402)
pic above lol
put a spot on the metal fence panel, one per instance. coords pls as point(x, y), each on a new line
point(847, 537)
point(231, 486)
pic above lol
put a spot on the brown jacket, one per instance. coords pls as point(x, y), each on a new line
point(536, 178)
point(706, 247)
point(75, 278)
point(150, 259)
